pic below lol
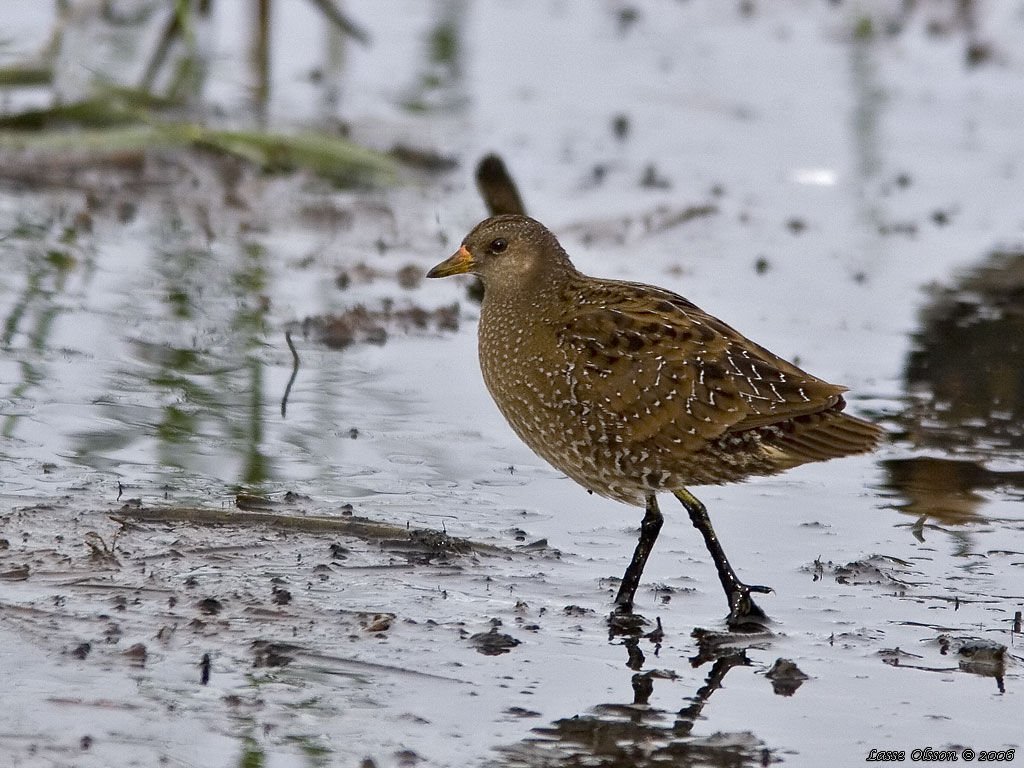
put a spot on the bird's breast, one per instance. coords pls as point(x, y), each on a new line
point(546, 399)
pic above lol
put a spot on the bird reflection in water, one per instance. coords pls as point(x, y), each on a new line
point(639, 735)
point(965, 385)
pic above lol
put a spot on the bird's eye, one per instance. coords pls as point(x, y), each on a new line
point(498, 245)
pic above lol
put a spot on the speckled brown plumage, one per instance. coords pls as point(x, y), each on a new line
point(632, 390)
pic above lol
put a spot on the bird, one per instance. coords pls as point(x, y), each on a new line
point(632, 390)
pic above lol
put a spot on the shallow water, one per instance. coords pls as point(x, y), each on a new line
point(862, 214)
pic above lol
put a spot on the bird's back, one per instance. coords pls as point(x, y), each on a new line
point(631, 389)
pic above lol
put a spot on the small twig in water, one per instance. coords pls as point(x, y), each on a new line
point(204, 669)
point(295, 372)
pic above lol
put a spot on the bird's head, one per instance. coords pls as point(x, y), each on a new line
point(505, 252)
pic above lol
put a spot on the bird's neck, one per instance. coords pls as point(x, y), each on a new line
point(531, 300)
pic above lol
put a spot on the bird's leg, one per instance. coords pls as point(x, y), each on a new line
point(649, 528)
point(742, 608)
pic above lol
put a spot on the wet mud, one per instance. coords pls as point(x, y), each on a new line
point(257, 509)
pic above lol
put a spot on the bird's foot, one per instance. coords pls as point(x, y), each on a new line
point(622, 622)
point(744, 614)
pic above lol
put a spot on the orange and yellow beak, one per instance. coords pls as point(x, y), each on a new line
point(458, 264)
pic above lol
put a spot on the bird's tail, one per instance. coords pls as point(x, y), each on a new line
point(824, 435)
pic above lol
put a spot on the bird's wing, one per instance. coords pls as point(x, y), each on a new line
point(668, 369)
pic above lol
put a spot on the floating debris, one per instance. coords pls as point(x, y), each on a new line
point(786, 677)
point(360, 325)
point(492, 642)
